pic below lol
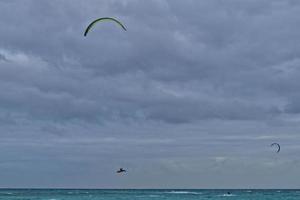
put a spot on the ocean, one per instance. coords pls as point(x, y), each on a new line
point(75, 194)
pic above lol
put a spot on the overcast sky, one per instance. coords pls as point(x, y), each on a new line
point(191, 96)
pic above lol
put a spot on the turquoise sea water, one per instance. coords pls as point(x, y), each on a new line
point(68, 194)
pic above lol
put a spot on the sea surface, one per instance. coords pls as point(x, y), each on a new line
point(72, 194)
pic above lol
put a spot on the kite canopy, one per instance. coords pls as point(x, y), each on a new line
point(91, 25)
point(276, 145)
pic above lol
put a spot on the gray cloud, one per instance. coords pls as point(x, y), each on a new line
point(191, 85)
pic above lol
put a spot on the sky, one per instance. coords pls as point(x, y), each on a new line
point(190, 96)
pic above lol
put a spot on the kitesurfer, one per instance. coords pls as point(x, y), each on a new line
point(121, 170)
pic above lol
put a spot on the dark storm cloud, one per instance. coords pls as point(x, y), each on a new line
point(188, 80)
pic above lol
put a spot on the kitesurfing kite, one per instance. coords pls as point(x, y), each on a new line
point(91, 25)
point(276, 145)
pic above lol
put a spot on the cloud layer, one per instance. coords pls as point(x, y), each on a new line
point(192, 89)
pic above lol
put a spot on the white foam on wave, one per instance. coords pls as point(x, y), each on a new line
point(227, 195)
point(150, 195)
point(183, 192)
point(153, 195)
point(8, 193)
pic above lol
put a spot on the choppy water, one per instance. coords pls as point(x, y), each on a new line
point(55, 194)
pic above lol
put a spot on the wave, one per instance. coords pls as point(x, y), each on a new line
point(150, 195)
point(153, 195)
point(227, 195)
point(183, 192)
point(7, 193)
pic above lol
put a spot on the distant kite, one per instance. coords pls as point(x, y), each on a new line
point(91, 25)
point(277, 146)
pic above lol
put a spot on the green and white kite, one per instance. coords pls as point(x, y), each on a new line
point(91, 25)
